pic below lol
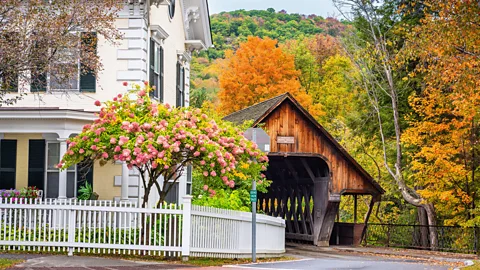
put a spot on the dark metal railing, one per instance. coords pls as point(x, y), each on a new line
point(450, 238)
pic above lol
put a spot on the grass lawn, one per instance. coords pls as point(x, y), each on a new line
point(476, 266)
point(5, 263)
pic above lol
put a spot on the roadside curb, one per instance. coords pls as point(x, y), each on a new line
point(467, 263)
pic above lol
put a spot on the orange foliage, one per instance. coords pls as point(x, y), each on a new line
point(257, 71)
point(447, 133)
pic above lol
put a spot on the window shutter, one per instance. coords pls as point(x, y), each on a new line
point(182, 86)
point(8, 163)
point(179, 93)
point(88, 81)
point(151, 79)
point(160, 83)
point(36, 164)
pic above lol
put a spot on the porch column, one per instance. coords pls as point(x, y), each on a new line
point(125, 176)
point(62, 178)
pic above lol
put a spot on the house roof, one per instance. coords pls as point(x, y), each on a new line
point(260, 111)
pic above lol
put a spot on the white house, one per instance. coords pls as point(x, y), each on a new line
point(159, 38)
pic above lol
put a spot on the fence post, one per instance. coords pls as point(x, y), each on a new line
point(71, 229)
point(476, 242)
point(186, 225)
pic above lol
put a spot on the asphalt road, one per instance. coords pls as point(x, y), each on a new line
point(349, 262)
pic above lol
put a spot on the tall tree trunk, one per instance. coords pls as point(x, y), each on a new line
point(432, 223)
point(423, 221)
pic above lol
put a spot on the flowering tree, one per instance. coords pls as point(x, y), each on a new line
point(160, 141)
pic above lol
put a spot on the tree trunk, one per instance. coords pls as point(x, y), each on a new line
point(424, 230)
point(432, 223)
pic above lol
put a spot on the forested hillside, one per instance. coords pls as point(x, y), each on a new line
point(230, 29)
point(397, 85)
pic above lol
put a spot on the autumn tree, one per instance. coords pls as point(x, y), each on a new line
point(257, 71)
point(374, 49)
point(445, 131)
point(161, 141)
point(47, 38)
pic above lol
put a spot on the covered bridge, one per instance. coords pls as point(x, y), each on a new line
point(307, 165)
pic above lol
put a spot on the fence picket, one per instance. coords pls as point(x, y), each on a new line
point(114, 227)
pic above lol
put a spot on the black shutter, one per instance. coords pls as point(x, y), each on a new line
point(182, 86)
point(8, 163)
point(160, 83)
point(151, 79)
point(36, 164)
point(88, 81)
point(179, 93)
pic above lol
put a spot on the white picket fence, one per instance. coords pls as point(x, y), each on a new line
point(228, 234)
point(124, 228)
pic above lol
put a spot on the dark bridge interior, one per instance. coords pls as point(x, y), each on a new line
point(299, 194)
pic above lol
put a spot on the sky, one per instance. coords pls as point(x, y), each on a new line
point(323, 8)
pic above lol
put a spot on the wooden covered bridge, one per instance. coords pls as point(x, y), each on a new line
point(306, 164)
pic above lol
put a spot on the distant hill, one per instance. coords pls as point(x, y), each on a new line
point(231, 28)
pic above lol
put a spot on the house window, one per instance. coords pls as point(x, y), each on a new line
point(8, 81)
point(70, 61)
point(8, 163)
point(156, 69)
point(180, 85)
point(53, 173)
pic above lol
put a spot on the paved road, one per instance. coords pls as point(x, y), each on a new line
point(349, 262)
point(308, 260)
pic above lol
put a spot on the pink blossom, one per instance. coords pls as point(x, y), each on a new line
point(97, 103)
point(117, 148)
point(126, 152)
point(122, 140)
point(196, 154)
point(205, 187)
point(105, 155)
point(213, 173)
point(113, 140)
point(141, 93)
point(166, 167)
point(202, 162)
point(96, 140)
point(205, 173)
point(81, 151)
point(94, 147)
